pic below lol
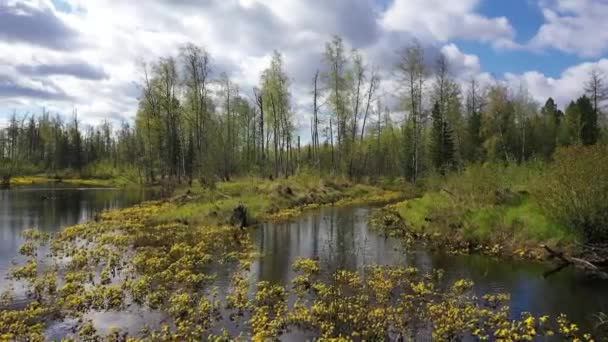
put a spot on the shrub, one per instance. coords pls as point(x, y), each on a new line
point(574, 191)
point(490, 183)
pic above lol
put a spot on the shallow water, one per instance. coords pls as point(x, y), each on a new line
point(338, 237)
point(341, 238)
point(50, 208)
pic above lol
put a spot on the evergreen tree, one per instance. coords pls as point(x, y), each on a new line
point(546, 128)
point(550, 110)
point(442, 142)
point(588, 116)
point(573, 125)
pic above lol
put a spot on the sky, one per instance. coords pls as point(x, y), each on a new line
point(86, 55)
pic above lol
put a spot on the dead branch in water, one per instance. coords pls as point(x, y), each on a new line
point(579, 263)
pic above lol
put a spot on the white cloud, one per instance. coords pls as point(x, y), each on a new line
point(463, 63)
point(98, 72)
point(444, 20)
point(574, 26)
point(567, 87)
point(466, 67)
point(116, 35)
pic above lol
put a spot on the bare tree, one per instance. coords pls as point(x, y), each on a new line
point(412, 72)
point(597, 89)
point(196, 80)
point(336, 80)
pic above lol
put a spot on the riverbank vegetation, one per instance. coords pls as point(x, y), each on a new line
point(59, 181)
point(267, 200)
point(486, 208)
point(492, 170)
point(507, 209)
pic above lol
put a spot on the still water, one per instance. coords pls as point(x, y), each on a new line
point(341, 238)
point(50, 208)
point(338, 237)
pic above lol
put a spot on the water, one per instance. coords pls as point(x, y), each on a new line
point(341, 238)
point(51, 208)
point(338, 237)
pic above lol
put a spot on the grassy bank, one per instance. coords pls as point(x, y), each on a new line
point(486, 208)
point(33, 180)
point(270, 200)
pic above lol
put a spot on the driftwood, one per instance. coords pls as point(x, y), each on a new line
point(584, 264)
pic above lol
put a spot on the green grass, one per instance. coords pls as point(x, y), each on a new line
point(416, 211)
point(215, 209)
point(482, 223)
point(485, 205)
point(32, 180)
point(263, 197)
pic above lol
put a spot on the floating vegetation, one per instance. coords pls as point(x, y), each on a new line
point(382, 303)
point(124, 259)
point(130, 260)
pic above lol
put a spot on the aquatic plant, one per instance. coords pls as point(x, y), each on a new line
point(130, 258)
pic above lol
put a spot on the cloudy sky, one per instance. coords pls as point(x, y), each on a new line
point(83, 54)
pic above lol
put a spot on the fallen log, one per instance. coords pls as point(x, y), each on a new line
point(579, 263)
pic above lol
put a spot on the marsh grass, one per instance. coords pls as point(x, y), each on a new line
point(270, 200)
point(120, 181)
point(488, 207)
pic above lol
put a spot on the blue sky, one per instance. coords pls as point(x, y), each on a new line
point(87, 54)
point(526, 17)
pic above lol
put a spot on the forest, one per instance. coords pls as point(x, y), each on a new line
point(458, 172)
point(195, 125)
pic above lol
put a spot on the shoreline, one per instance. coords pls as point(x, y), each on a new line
point(159, 253)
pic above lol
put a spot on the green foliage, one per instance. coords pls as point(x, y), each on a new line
point(106, 169)
point(575, 190)
point(581, 123)
point(442, 142)
point(485, 207)
point(188, 130)
point(589, 129)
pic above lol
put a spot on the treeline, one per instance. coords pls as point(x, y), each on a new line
point(192, 124)
point(48, 144)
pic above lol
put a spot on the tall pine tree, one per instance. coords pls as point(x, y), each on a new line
point(589, 129)
point(442, 142)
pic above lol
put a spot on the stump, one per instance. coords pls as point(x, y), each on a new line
point(6, 182)
point(239, 216)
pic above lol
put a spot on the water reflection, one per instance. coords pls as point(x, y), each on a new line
point(340, 238)
point(53, 208)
